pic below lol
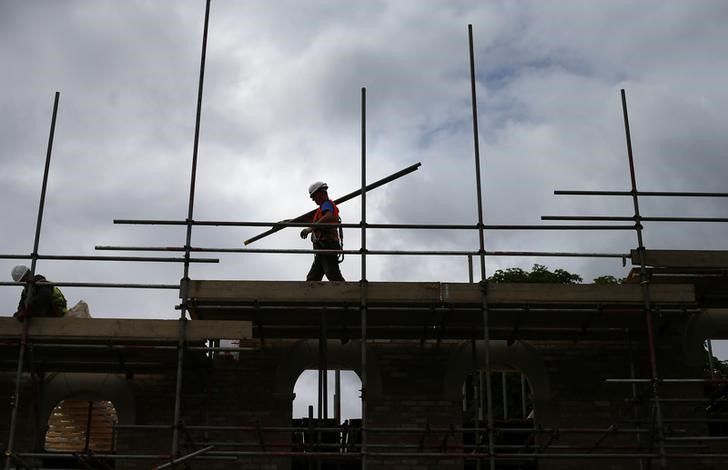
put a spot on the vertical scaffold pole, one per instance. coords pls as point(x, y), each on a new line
point(476, 386)
point(184, 285)
point(635, 395)
point(89, 421)
point(325, 364)
point(319, 378)
point(323, 382)
point(363, 282)
point(504, 389)
point(481, 238)
point(337, 396)
point(34, 259)
point(644, 283)
point(524, 414)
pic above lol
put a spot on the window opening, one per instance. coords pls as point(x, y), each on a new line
point(81, 426)
point(512, 406)
point(331, 428)
point(716, 392)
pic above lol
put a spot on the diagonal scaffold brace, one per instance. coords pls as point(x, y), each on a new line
point(184, 458)
point(308, 216)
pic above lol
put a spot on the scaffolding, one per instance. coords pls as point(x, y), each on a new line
point(655, 439)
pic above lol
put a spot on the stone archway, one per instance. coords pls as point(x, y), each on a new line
point(520, 355)
point(83, 386)
point(82, 426)
point(709, 323)
point(304, 355)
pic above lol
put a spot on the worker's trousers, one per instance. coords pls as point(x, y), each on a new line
point(325, 263)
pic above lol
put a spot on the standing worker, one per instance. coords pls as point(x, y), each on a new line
point(47, 300)
point(324, 238)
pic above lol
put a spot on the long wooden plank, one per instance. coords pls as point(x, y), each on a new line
point(589, 293)
point(305, 292)
point(308, 216)
point(429, 293)
point(126, 329)
point(696, 259)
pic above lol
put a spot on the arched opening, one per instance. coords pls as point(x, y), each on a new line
point(520, 396)
point(706, 346)
point(715, 390)
point(512, 399)
point(326, 417)
point(341, 406)
point(83, 427)
point(345, 356)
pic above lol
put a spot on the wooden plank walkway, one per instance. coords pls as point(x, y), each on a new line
point(430, 293)
point(95, 329)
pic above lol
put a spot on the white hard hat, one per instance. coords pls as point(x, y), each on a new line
point(19, 272)
point(316, 186)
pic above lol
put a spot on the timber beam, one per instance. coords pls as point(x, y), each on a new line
point(431, 293)
point(100, 329)
point(677, 260)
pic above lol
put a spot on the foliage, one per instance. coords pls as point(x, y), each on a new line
point(539, 273)
point(608, 280)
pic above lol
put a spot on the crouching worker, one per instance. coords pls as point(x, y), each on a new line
point(46, 300)
point(324, 238)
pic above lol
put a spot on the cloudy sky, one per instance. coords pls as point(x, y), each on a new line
point(281, 109)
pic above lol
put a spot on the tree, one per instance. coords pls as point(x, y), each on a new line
point(539, 273)
point(607, 280)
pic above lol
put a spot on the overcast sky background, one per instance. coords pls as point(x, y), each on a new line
point(281, 109)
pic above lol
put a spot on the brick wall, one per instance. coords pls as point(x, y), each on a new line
point(408, 389)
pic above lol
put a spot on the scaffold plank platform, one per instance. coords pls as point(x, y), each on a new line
point(683, 259)
point(96, 329)
point(421, 310)
point(431, 293)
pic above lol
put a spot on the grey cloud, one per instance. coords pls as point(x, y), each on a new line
point(281, 108)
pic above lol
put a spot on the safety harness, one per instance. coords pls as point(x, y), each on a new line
point(319, 214)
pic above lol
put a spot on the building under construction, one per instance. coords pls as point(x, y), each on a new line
point(453, 375)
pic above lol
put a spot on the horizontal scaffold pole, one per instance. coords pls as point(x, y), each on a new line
point(295, 223)
point(371, 252)
point(111, 258)
point(641, 219)
point(638, 193)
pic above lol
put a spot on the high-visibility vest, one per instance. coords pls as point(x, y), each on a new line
point(59, 302)
point(55, 308)
point(326, 234)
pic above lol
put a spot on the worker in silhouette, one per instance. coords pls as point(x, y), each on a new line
point(324, 238)
point(46, 300)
